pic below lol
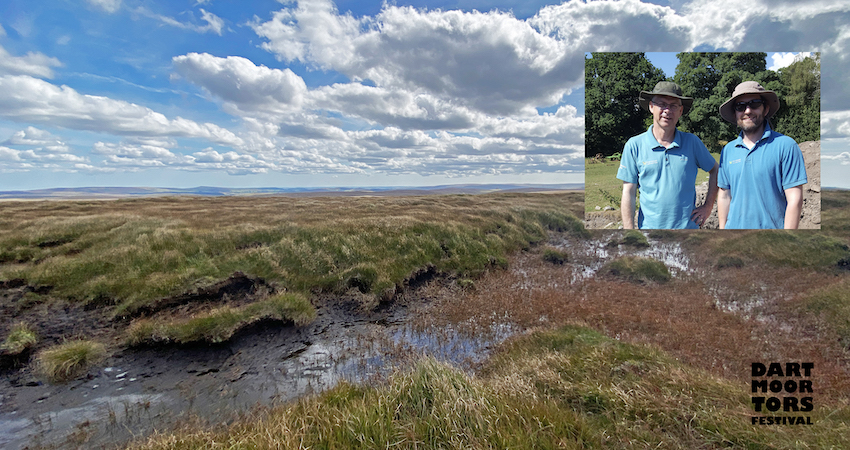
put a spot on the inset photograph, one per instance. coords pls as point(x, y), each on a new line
point(702, 140)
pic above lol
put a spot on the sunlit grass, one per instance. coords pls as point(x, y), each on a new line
point(136, 251)
point(635, 268)
point(22, 337)
point(831, 304)
point(69, 360)
point(565, 388)
point(219, 325)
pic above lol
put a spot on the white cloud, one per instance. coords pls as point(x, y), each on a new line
point(31, 136)
point(109, 6)
point(214, 24)
point(842, 158)
point(627, 25)
point(35, 64)
point(27, 99)
point(491, 62)
point(782, 60)
point(242, 84)
point(8, 154)
point(834, 124)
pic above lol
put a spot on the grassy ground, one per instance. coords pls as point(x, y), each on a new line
point(113, 261)
point(605, 362)
point(569, 387)
point(602, 188)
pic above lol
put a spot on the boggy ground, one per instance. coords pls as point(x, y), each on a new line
point(717, 317)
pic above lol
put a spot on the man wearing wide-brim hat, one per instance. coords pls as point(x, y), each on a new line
point(762, 172)
point(662, 165)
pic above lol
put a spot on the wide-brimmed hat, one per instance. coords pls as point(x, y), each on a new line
point(669, 89)
point(727, 110)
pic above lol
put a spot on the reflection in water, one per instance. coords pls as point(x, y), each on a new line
point(114, 408)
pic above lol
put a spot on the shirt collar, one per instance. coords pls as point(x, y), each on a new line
point(656, 144)
point(764, 135)
point(740, 141)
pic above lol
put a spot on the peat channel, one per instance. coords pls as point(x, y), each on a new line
point(138, 391)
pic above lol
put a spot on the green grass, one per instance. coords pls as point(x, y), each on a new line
point(69, 360)
point(784, 248)
point(566, 388)
point(22, 337)
point(835, 212)
point(600, 179)
point(220, 324)
point(634, 268)
point(555, 256)
point(135, 252)
point(831, 304)
point(635, 238)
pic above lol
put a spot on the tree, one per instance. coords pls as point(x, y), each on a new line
point(799, 116)
point(613, 82)
point(711, 78)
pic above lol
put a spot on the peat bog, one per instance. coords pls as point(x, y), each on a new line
point(467, 280)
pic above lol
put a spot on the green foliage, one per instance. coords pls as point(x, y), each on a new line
point(599, 178)
point(613, 82)
point(832, 305)
point(725, 261)
point(69, 360)
point(635, 238)
point(637, 269)
point(610, 198)
point(570, 387)
point(555, 256)
point(710, 78)
point(22, 337)
point(786, 248)
point(220, 324)
point(134, 260)
point(799, 115)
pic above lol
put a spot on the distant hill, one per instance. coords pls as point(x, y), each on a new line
point(209, 191)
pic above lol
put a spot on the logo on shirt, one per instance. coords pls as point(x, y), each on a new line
point(649, 163)
point(735, 161)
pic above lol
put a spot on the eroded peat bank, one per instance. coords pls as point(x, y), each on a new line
point(266, 311)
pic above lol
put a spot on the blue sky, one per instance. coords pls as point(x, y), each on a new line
point(352, 93)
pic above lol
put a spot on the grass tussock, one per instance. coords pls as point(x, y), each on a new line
point(725, 261)
point(555, 256)
point(831, 305)
point(69, 360)
point(22, 337)
point(220, 324)
point(637, 269)
point(136, 251)
point(566, 388)
point(785, 248)
point(635, 238)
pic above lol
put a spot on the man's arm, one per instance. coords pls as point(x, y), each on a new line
point(724, 198)
point(701, 214)
point(627, 205)
point(794, 196)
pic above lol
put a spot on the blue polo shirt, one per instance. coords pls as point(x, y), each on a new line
point(665, 177)
point(757, 179)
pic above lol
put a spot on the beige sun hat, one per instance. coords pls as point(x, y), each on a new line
point(727, 110)
point(669, 89)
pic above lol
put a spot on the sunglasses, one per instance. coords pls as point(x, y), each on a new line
point(752, 104)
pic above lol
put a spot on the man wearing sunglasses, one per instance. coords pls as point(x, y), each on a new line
point(662, 164)
point(762, 172)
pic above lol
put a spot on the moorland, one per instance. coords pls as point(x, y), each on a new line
point(595, 338)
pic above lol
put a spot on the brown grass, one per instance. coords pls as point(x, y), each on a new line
point(681, 317)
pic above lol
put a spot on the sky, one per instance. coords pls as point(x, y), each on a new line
point(309, 93)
